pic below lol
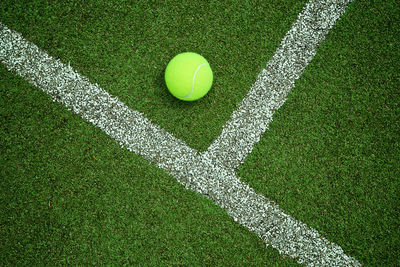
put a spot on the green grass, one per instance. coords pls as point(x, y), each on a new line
point(71, 195)
point(125, 47)
point(331, 157)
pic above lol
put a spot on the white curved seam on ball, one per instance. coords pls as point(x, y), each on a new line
point(194, 77)
point(198, 173)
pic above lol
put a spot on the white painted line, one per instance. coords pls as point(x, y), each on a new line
point(198, 173)
point(91, 102)
point(273, 84)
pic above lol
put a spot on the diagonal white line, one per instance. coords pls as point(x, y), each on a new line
point(273, 84)
point(129, 127)
point(195, 172)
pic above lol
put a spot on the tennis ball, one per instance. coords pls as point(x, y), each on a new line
point(188, 76)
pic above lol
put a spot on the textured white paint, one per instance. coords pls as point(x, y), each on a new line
point(202, 173)
point(274, 83)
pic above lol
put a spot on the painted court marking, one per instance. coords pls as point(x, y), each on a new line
point(274, 83)
point(202, 173)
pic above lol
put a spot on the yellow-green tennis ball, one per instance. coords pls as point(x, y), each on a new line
point(188, 76)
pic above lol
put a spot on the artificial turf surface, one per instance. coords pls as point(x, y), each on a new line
point(71, 195)
point(332, 154)
point(125, 47)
